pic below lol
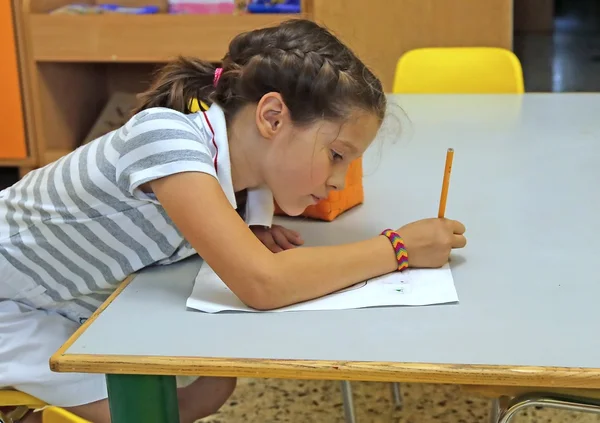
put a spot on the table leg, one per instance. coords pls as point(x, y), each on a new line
point(139, 398)
point(348, 402)
point(396, 394)
point(495, 411)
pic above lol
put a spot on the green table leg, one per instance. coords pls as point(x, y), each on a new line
point(138, 398)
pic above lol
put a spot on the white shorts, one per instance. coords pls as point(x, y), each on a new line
point(28, 338)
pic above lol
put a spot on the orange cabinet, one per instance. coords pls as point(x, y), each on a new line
point(12, 122)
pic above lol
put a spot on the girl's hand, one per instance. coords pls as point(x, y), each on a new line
point(429, 242)
point(277, 238)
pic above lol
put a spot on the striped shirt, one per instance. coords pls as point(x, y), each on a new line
point(72, 231)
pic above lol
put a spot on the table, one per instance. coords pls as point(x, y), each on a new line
point(525, 182)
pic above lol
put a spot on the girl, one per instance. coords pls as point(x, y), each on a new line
point(292, 107)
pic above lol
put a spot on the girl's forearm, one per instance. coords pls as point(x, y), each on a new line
point(262, 279)
point(306, 273)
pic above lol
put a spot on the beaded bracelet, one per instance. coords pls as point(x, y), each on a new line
point(399, 248)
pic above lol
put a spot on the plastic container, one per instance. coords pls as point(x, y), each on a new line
point(272, 6)
point(202, 7)
point(145, 10)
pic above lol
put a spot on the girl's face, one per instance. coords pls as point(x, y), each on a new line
point(303, 164)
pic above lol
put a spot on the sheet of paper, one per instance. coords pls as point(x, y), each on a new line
point(414, 287)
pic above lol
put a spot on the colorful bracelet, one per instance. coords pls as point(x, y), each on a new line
point(399, 248)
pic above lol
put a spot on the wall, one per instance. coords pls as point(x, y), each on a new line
point(381, 30)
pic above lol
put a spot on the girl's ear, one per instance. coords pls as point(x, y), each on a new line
point(271, 115)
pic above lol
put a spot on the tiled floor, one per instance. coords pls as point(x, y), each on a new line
point(562, 62)
point(569, 59)
point(284, 401)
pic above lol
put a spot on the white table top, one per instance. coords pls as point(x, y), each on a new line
point(525, 182)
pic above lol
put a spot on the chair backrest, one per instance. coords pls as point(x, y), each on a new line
point(459, 70)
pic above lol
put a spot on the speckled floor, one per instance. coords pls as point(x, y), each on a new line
point(289, 401)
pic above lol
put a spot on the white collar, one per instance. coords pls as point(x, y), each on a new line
point(213, 120)
point(259, 203)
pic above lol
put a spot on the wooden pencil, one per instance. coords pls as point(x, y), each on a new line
point(446, 182)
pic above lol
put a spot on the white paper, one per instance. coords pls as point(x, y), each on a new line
point(414, 287)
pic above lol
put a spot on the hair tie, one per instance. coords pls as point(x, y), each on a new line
point(218, 72)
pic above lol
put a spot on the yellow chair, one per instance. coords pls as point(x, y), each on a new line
point(59, 415)
point(459, 70)
point(24, 402)
point(21, 401)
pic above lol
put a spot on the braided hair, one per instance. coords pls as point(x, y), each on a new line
point(317, 76)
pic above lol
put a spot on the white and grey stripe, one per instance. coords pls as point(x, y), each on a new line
point(76, 227)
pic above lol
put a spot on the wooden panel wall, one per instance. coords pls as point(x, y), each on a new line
point(379, 31)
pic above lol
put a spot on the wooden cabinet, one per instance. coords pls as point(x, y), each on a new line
point(77, 62)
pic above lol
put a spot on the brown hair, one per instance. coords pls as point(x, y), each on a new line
point(317, 76)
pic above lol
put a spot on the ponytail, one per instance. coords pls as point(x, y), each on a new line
point(177, 84)
point(317, 75)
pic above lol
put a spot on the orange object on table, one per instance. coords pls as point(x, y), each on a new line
point(338, 202)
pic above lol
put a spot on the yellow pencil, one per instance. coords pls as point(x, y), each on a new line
point(446, 183)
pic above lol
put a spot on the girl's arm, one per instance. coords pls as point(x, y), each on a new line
point(261, 279)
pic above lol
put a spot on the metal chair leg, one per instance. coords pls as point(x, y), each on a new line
point(348, 402)
point(520, 403)
point(495, 411)
point(396, 394)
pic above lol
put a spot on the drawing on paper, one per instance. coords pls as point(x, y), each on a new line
point(413, 287)
point(400, 285)
point(353, 287)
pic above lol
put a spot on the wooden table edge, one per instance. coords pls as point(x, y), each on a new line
point(57, 356)
point(483, 375)
point(478, 375)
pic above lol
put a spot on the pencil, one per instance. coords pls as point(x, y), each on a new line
point(446, 182)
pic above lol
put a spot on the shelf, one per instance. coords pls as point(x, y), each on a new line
point(72, 65)
point(141, 39)
point(28, 161)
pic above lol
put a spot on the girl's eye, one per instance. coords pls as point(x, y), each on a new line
point(336, 156)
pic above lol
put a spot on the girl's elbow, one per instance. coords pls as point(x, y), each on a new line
point(262, 304)
point(261, 300)
point(262, 294)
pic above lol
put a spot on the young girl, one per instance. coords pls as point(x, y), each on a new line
point(291, 108)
